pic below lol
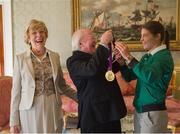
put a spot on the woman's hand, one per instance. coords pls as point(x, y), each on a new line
point(118, 57)
point(15, 129)
point(123, 50)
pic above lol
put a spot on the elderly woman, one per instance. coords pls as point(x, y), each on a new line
point(37, 85)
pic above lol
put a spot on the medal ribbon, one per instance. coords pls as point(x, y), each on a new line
point(110, 57)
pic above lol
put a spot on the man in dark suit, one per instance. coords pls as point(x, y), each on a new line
point(101, 105)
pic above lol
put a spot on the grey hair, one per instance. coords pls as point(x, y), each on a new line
point(76, 38)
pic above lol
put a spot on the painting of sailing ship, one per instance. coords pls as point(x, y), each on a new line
point(126, 17)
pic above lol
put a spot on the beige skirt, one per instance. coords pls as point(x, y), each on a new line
point(45, 116)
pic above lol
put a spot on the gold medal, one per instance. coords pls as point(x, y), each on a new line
point(109, 75)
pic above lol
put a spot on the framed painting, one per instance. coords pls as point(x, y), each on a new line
point(125, 18)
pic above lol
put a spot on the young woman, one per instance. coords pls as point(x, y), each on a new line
point(153, 73)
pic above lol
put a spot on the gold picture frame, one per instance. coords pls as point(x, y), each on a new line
point(133, 45)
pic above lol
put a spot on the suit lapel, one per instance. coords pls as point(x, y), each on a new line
point(53, 64)
point(29, 64)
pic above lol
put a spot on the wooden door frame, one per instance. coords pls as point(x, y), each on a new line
point(7, 37)
point(1, 43)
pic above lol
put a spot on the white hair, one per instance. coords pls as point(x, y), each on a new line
point(76, 38)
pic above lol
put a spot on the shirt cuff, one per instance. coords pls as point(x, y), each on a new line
point(104, 45)
point(133, 63)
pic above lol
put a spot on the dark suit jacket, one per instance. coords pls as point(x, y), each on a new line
point(100, 101)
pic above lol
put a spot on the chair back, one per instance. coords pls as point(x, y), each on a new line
point(5, 99)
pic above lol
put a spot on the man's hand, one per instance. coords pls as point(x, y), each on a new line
point(106, 37)
point(15, 129)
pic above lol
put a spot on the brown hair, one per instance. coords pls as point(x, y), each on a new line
point(34, 25)
point(155, 28)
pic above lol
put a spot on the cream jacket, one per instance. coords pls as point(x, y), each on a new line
point(23, 89)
